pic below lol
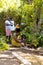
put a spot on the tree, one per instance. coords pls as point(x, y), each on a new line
point(30, 1)
point(37, 11)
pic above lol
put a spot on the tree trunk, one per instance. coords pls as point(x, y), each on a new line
point(30, 1)
point(38, 16)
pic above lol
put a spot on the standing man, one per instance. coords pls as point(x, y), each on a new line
point(9, 27)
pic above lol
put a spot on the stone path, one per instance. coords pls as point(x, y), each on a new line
point(6, 58)
point(9, 62)
point(9, 58)
point(31, 55)
point(32, 58)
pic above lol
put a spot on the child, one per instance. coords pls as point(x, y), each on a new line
point(23, 40)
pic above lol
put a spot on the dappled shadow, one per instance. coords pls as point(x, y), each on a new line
point(36, 52)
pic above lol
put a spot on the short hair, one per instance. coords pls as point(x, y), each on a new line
point(10, 18)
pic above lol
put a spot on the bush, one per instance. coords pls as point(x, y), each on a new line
point(40, 40)
point(37, 35)
point(3, 45)
point(29, 38)
point(34, 43)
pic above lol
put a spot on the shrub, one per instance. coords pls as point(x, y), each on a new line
point(40, 40)
point(3, 45)
point(34, 43)
point(29, 38)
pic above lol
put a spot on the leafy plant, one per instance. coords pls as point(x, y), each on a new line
point(34, 43)
point(40, 40)
point(3, 45)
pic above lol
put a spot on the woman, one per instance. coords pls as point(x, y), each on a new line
point(18, 29)
point(15, 38)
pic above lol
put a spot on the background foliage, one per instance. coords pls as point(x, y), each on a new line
point(24, 11)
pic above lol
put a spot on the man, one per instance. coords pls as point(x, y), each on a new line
point(9, 26)
point(12, 25)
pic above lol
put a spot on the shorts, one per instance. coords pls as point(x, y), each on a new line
point(8, 32)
